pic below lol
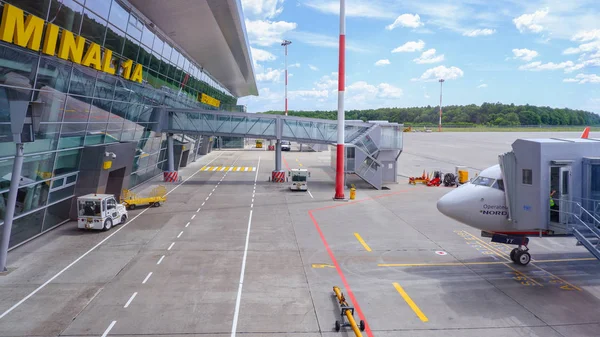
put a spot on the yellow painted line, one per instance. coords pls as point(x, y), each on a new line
point(222, 168)
point(322, 265)
point(237, 169)
point(230, 168)
point(300, 164)
point(475, 263)
point(362, 242)
point(410, 303)
point(245, 169)
point(227, 168)
point(204, 168)
point(297, 159)
point(215, 168)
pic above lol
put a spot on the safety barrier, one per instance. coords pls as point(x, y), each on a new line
point(170, 176)
point(278, 176)
point(348, 312)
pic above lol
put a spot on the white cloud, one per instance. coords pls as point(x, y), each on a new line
point(365, 9)
point(539, 66)
point(328, 82)
point(321, 40)
point(482, 85)
point(531, 22)
point(269, 75)
point(525, 54)
point(586, 47)
point(382, 62)
point(308, 93)
point(429, 56)
point(264, 9)
point(389, 91)
point(584, 78)
point(259, 55)
point(586, 35)
point(312, 67)
point(266, 33)
point(406, 20)
point(294, 65)
point(410, 47)
point(438, 72)
point(479, 32)
point(363, 92)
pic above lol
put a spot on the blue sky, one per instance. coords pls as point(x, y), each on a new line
point(541, 52)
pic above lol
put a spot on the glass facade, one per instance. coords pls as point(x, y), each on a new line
point(82, 106)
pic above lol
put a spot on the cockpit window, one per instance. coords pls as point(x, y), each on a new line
point(499, 184)
point(483, 181)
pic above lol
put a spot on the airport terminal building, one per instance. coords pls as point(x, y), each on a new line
point(93, 72)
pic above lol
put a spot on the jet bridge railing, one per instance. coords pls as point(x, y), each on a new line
point(234, 124)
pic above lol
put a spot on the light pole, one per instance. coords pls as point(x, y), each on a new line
point(285, 43)
point(440, 122)
point(339, 172)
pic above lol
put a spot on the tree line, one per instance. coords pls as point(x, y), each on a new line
point(488, 114)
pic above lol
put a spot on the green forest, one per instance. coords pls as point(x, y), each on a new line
point(488, 114)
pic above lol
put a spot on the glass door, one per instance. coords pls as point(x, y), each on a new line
point(564, 193)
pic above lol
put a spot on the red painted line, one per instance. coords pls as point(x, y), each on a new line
point(285, 163)
point(339, 270)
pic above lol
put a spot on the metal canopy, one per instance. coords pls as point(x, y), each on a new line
point(212, 32)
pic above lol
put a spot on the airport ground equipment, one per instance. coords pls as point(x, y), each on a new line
point(352, 192)
point(132, 200)
point(462, 174)
point(424, 179)
point(299, 179)
point(259, 143)
point(99, 211)
point(347, 312)
point(450, 180)
point(436, 180)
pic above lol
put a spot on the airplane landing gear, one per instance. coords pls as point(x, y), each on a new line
point(518, 255)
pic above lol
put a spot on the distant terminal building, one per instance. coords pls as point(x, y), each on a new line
point(94, 71)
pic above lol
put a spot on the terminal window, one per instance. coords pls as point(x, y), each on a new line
point(527, 177)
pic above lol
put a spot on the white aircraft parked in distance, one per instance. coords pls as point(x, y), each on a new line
point(463, 205)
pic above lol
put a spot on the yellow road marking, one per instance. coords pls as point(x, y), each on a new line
point(532, 263)
point(475, 263)
point(215, 168)
point(322, 265)
point(204, 168)
point(245, 169)
point(297, 159)
point(221, 168)
point(300, 164)
point(410, 303)
point(237, 169)
point(362, 242)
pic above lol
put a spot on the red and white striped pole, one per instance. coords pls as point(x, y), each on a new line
point(339, 174)
point(285, 44)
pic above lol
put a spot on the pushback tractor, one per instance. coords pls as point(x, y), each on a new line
point(99, 211)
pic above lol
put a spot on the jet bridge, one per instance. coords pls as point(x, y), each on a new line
point(379, 143)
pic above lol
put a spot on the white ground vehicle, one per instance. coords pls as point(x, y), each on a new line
point(299, 179)
point(99, 211)
point(286, 145)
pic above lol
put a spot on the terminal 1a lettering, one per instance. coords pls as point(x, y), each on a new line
point(27, 33)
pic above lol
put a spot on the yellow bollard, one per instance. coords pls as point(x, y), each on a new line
point(352, 192)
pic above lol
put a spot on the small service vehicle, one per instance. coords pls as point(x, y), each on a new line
point(99, 211)
point(299, 179)
point(286, 145)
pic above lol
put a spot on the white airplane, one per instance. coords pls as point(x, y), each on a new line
point(463, 205)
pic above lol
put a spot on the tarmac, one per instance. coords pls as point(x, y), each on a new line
point(231, 253)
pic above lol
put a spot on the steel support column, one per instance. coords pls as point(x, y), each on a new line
point(170, 153)
point(278, 155)
point(10, 206)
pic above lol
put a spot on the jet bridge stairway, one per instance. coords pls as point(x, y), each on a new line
point(586, 230)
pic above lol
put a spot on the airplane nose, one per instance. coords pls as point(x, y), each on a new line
point(445, 205)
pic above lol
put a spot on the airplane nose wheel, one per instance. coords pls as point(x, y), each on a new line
point(520, 256)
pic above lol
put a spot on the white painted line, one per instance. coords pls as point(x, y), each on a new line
point(147, 277)
point(206, 199)
point(214, 188)
point(178, 236)
point(160, 260)
point(209, 194)
point(193, 216)
point(246, 169)
point(130, 299)
point(198, 210)
point(252, 200)
point(310, 194)
point(16, 305)
point(187, 224)
point(203, 203)
point(251, 205)
point(109, 328)
point(171, 246)
point(231, 168)
point(239, 294)
point(257, 167)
